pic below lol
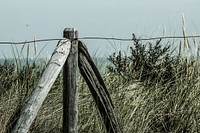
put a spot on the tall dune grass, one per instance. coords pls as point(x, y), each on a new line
point(154, 90)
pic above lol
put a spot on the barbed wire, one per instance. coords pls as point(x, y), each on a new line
point(99, 38)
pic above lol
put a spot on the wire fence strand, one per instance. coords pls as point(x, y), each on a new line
point(25, 42)
point(98, 38)
point(140, 39)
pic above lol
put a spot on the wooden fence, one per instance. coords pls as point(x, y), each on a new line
point(70, 54)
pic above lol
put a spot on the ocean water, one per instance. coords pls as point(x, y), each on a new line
point(40, 63)
point(100, 62)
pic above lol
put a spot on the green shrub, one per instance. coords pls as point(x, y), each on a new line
point(149, 63)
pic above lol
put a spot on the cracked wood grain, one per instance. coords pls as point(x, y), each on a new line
point(40, 92)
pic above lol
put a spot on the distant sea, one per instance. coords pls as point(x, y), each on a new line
point(101, 63)
point(22, 62)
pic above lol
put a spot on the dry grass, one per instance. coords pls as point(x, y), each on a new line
point(160, 95)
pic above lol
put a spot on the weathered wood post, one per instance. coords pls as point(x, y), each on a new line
point(54, 66)
point(70, 92)
point(98, 89)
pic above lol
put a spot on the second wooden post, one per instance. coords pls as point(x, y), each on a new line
point(70, 92)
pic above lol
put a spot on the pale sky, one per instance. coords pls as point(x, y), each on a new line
point(22, 20)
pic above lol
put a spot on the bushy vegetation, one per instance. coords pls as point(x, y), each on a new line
point(168, 100)
point(153, 90)
point(146, 63)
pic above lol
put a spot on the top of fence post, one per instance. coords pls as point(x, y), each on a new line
point(70, 33)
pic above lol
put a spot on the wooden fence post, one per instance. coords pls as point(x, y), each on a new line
point(70, 92)
point(98, 89)
point(54, 66)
